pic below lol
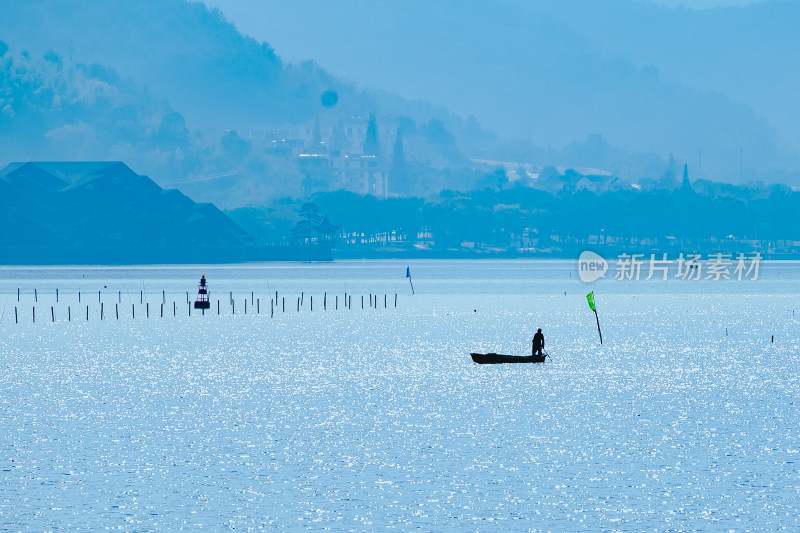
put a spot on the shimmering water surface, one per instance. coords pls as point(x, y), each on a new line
point(356, 419)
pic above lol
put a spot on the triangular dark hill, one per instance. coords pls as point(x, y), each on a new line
point(103, 212)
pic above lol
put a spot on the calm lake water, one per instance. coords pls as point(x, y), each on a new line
point(351, 419)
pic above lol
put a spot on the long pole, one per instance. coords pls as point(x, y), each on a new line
point(598, 326)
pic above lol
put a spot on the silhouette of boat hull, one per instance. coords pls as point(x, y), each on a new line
point(497, 358)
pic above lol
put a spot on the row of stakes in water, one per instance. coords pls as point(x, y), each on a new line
point(374, 302)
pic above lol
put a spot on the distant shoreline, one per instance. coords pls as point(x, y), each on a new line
point(323, 255)
point(571, 253)
point(160, 256)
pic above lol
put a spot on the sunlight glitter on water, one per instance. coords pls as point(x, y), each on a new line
point(356, 419)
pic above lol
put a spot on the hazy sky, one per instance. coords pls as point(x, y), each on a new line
point(252, 16)
point(702, 4)
point(693, 4)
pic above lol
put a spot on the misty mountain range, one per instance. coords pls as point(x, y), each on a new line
point(647, 77)
point(175, 90)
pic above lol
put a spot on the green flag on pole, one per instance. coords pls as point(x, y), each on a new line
point(590, 299)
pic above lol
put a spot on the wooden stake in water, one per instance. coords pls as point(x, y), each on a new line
point(101, 311)
point(52, 314)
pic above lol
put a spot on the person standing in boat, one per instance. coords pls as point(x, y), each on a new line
point(538, 343)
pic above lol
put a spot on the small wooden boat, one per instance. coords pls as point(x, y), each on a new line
point(497, 358)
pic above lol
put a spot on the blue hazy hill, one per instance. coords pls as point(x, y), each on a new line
point(191, 56)
point(181, 51)
point(51, 109)
point(190, 90)
point(102, 212)
point(176, 91)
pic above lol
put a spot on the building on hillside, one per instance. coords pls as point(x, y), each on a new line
point(601, 183)
point(365, 174)
point(345, 134)
point(362, 174)
point(331, 155)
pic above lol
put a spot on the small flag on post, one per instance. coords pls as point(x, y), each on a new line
point(590, 299)
point(408, 275)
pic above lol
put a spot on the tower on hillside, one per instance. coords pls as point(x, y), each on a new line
point(685, 185)
point(669, 180)
point(398, 175)
point(371, 144)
